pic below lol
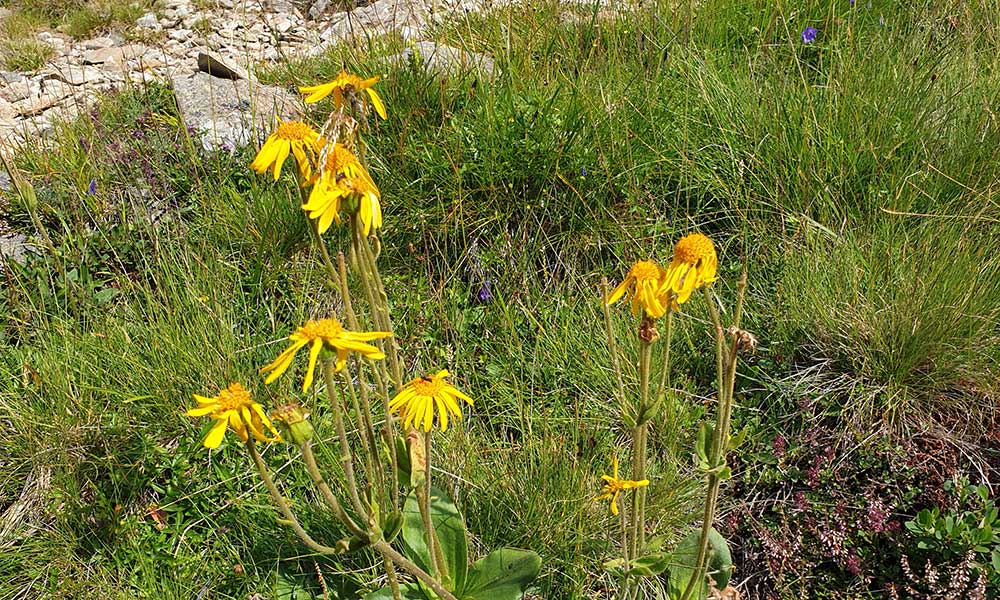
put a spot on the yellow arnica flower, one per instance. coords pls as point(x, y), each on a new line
point(294, 137)
point(344, 181)
point(344, 83)
point(644, 283)
point(327, 333)
point(694, 265)
point(614, 486)
point(418, 399)
point(233, 407)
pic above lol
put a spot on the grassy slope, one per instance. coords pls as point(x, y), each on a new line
point(602, 141)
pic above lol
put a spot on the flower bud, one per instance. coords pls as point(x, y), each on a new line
point(292, 419)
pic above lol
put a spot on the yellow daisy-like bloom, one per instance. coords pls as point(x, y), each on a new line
point(417, 400)
point(643, 282)
point(614, 486)
point(343, 180)
point(345, 83)
point(291, 137)
point(695, 264)
point(234, 408)
point(327, 333)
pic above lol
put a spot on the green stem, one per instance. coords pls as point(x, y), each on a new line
point(638, 447)
point(283, 505)
point(414, 570)
point(327, 493)
point(663, 392)
point(726, 368)
point(346, 457)
point(388, 430)
point(390, 572)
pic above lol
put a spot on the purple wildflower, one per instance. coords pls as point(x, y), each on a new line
point(583, 171)
point(485, 293)
point(92, 188)
point(809, 35)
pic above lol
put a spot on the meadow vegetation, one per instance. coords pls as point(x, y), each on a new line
point(856, 177)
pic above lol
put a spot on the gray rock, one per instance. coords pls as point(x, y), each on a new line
point(12, 76)
point(99, 42)
point(16, 90)
point(219, 67)
point(79, 75)
point(148, 21)
point(100, 56)
point(179, 35)
point(445, 60)
point(5, 183)
point(229, 113)
point(13, 246)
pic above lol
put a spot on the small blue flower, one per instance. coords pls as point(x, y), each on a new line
point(485, 293)
point(809, 35)
point(92, 188)
point(583, 171)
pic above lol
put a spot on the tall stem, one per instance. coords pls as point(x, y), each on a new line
point(346, 456)
point(283, 505)
point(726, 371)
point(388, 430)
point(328, 495)
point(639, 447)
point(663, 392)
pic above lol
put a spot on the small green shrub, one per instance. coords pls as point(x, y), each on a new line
point(25, 55)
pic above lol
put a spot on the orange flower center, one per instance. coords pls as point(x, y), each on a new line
point(234, 397)
point(645, 270)
point(338, 159)
point(294, 131)
point(693, 248)
point(428, 386)
point(324, 328)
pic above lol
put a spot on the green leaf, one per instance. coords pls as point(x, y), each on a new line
point(393, 525)
point(682, 563)
point(703, 445)
point(995, 559)
point(738, 439)
point(650, 565)
point(294, 587)
point(451, 534)
point(409, 591)
point(502, 575)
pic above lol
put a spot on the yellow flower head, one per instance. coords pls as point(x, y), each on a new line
point(344, 181)
point(345, 83)
point(293, 137)
point(694, 265)
point(233, 407)
point(324, 333)
point(643, 282)
point(417, 400)
point(614, 486)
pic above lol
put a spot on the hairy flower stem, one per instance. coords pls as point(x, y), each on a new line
point(388, 429)
point(390, 573)
point(424, 501)
point(381, 546)
point(639, 434)
point(346, 456)
point(726, 370)
point(328, 495)
point(283, 504)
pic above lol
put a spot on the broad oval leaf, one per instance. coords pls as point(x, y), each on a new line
point(450, 529)
point(502, 575)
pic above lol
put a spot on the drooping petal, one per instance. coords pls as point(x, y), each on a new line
point(214, 437)
point(314, 351)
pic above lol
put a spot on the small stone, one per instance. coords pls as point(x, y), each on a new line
point(182, 11)
point(12, 76)
point(44, 36)
point(148, 21)
point(99, 42)
point(118, 55)
point(282, 24)
point(57, 88)
point(179, 35)
point(13, 246)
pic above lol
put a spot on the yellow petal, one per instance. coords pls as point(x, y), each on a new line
point(201, 411)
point(317, 345)
point(376, 100)
point(214, 437)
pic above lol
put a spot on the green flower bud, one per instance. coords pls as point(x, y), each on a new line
point(292, 419)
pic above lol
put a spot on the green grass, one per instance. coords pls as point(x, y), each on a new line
point(855, 177)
